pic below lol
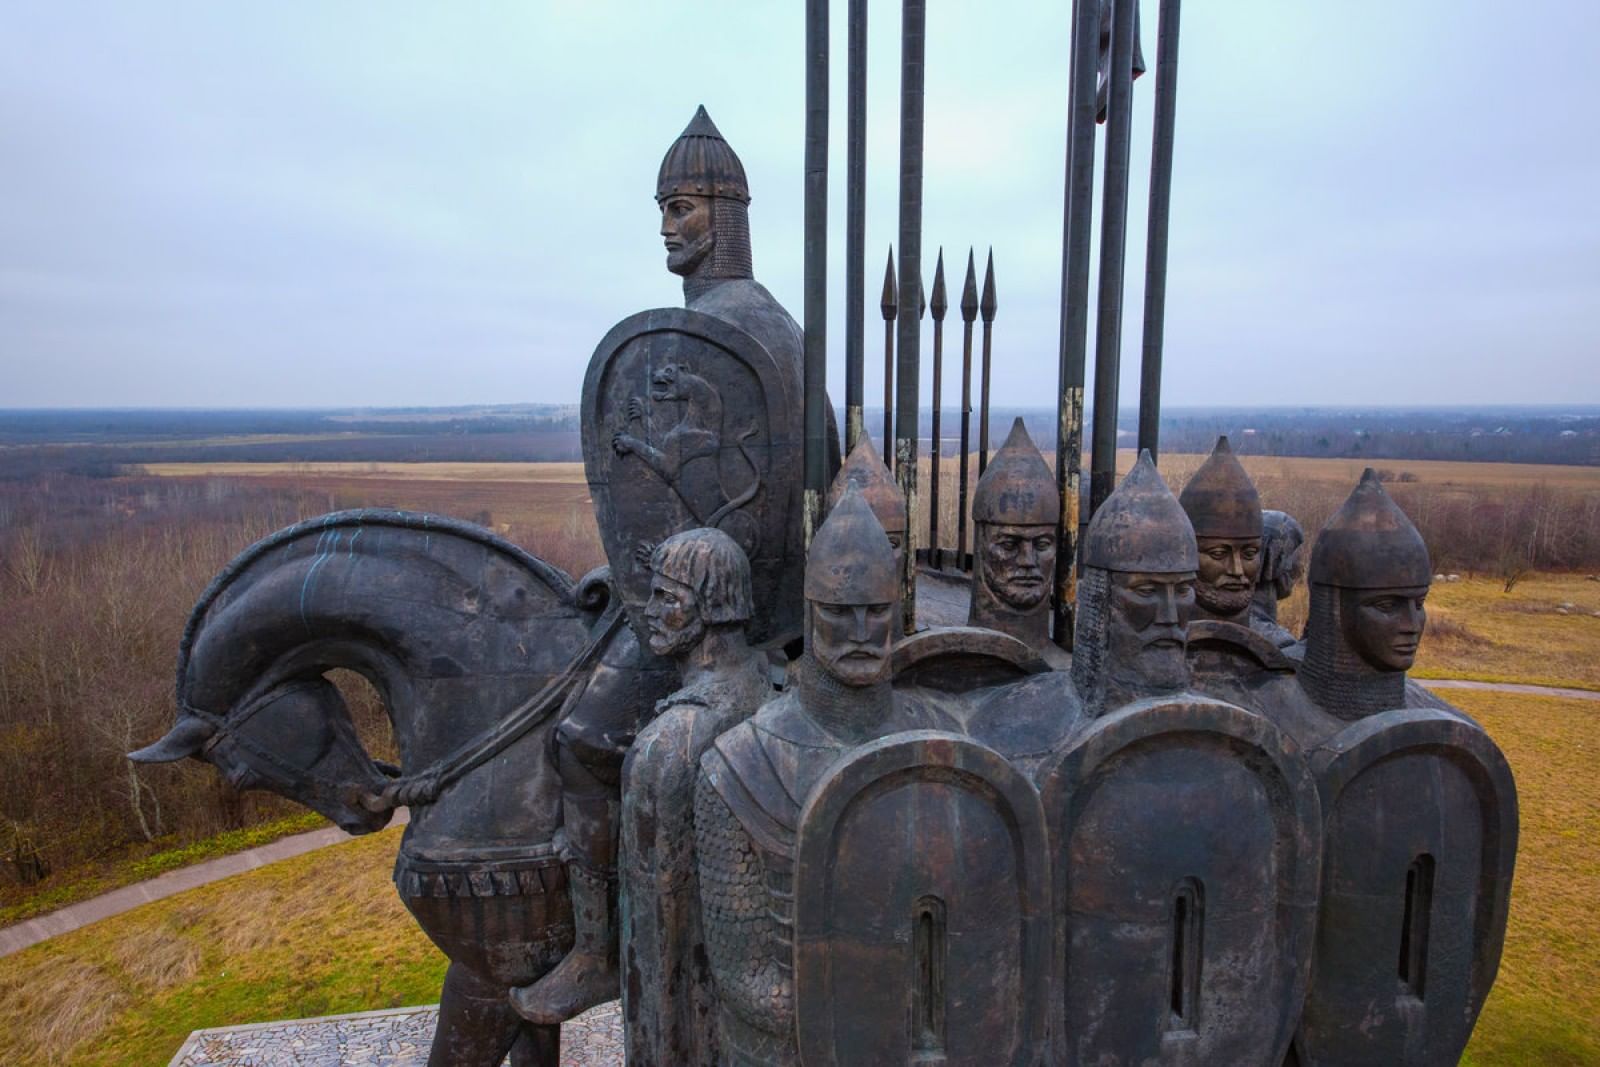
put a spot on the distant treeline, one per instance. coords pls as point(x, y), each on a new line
point(1569, 436)
point(105, 443)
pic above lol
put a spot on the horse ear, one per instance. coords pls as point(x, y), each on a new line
point(182, 740)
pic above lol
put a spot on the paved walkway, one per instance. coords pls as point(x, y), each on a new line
point(396, 1038)
point(1511, 687)
point(32, 931)
point(18, 937)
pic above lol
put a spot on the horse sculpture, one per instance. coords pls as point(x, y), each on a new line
point(475, 647)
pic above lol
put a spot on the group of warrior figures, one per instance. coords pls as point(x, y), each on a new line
point(795, 825)
point(723, 791)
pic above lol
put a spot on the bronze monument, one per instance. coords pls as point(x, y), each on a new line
point(731, 778)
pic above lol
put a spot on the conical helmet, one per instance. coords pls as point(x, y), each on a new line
point(1017, 488)
point(851, 561)
point(1221, 500)
point(1141, 527)
point(1370, 544)
point(700, 163)
point(864, 472)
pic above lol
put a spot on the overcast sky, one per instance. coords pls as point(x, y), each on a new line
point(294, 203)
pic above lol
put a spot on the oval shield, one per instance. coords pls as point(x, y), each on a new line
point(688, 422)
point(921, 931)
point(1420, 812)
point(1186, 842)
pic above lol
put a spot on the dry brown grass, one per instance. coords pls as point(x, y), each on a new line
point(55, 1007)
point(544, 473)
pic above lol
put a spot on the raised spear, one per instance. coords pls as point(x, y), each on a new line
point(816, 265)
point(913, 42)
point(969, 312)
point(855, 226)
point(986, 307)
point(938, 306)
point(1155, 259)
point(889, 304)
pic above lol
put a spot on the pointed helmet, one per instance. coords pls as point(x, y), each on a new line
point(1141, 527)
point(851, 560)
point(864, 472)
point(700, 163)
point(1370, 544)
point(1221, 500)
point(1017, 488)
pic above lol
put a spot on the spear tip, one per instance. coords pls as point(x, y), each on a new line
point(890, 299)
point(940, 303)
point(969, 291)
point(988, 304)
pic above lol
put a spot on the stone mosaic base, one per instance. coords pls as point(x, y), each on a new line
point(397, 1038)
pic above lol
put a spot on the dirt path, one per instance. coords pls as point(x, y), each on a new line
point(73, 916)
point(18, 937)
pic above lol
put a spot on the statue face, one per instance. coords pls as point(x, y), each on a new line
point(1018, 562)
point(897, 541)
point(672, 616)
point(1148, 628)
point(686, 231)
point(1384, 626)
point(851, 641)
point(1229, 567)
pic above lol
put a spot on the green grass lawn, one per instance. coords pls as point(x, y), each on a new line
point(325, 933)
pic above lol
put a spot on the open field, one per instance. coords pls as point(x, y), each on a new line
point(1545, 1008)
point(326, 933)
point(1177, 465)
point(1477, 630)
point(539, 473)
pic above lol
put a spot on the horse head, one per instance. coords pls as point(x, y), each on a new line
point(295, 738)
point(453, 626)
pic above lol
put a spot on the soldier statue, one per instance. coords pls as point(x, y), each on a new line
point(1015, 511)
point(1283, 564)
point(755, 777)
point(703, 196)
point(700, 603)
point(1225, 510)
point(1369, 577)
point(1136, 595)
point(865, 472)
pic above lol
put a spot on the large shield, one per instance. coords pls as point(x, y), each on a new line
point(688, 421)
point(1421, 838)
point(1186, 839)
point(921, 897)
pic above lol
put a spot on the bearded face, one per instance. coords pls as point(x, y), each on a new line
point(1229, 567)
point(1018, 563)
point(1148, 629)
point(686, 230)
point(672, 617)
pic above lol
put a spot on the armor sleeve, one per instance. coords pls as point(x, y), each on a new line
point(737, 918)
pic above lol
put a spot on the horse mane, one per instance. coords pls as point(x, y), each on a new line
point(556, 579)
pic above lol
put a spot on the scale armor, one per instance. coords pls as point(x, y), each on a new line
point(748, 906)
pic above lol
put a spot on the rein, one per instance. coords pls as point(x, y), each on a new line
point(424, 786)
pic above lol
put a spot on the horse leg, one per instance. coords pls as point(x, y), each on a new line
point(477, 1026)
point(537, 1046)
